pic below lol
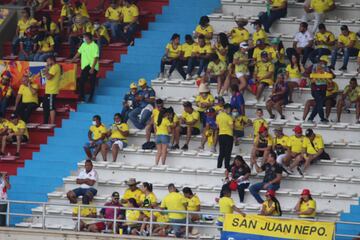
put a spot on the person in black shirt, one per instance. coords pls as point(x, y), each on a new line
point(240, 173)
point(272, 178)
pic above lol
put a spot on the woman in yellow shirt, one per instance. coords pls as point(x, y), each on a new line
point(27, 98)
point(51, 28)
point(271, 206)
point(45, 47)
point(306, 206)
point(237, 35)
point(186, 53)
point(222, 47)
point(162, 132)
point(204, 28)
point(130, 227)
point(294, 71)
point(278, 9)
point(172, 56)
point(279, 60)
point(193, 204)
point(148, 200)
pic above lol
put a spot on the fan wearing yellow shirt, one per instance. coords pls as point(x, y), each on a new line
point(349, 43)
point(261, 46)
point(163, 128)
point(204, 28)
point(204, 101)
point(259, 33)
point(264, 74)
point(131, 227)
point(238, 71)
point(147, 200)
point(324, 43)
point(237, 35)
point(306, 206)
point(175, 128)
point(186, 53)
point(66, 14)
point(6, 92)
point(45, 47)
point(117, 138)
point(27, 99)
point(132, 192)
point(190, 118)
point(294, 146)
point(76, 33)
point(221, 47)
point(259, 121)
point(101, 35)
point(210, 131)
point(193, 204)
point(127, 29)
point(87, 211)
point(150, 126)
point(317, 9)
point(278, 9)
point(294, 72)
point(216, 72)
point(349, 98)
point(113, 15)
point(171, 57)
point(96, 135)
point(277, 47)
point(226, 206)
point(81, 9)
point(51, 28)
point(280, 145)
point(240, 122)
point(53, 73)
point(263, 143)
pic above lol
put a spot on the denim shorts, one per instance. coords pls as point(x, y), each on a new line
point(162, 139)
point(177, 228)
point(238, 133)
point(97, 143)
point(82, 191)
point(121, 145)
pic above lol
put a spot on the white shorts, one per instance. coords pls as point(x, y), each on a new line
point(240, 74)
point(295, 80)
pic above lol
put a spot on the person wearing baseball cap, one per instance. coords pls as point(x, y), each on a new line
point(278, 9)
point(264, 74)
point(280, 144)
point(271, 206)
point(219, 104)
point(261, 46)
point(262, 145)
point(306, 206)
point(238, 69)
point(294, 146)
point(238, 35)
point(130, 101)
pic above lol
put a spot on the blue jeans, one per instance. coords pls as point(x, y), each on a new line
point(319, 97)
point(22, 57)
point(267, 21)
point(176, 228)
point(41, 57)
point(139, 123)
point(101, 42)
point(129, 34)
point(172, 62)
point(74, 42)
point(317, 53)
point(256, 187)
point(201, 62)
point(348, 52)
point(114, 27)
point(15, 45)
point(3, 105)
point(125, 113)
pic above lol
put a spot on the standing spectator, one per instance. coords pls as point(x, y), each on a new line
point(272, 178)
point(205, 29)
point(199, 57)
point(53, 72)
point(237, 100)
point(216, 72)
point(349, 44)
point(237, 36)
point(113, 15)
point(239, 173)
point(101, 35)
point(271, 206)
point(191, 119)
point(85, 212)
point(172, 56)
point(294, 71)
point(324, 43)
point(279, 97)
point(132, 192)
point(27, 99)
point(66, 14)
point(302, 45)
point(306, 206)
point(204, 101)
point(17, 132)
point(225, 125)
point(6, 92)
point(349, 98)
point(186, 53)
point(130, 23)
point(4, 186)
point(221, 47)
point(210, 131)
point(117, 138)
point(262, 145)
point(96, 135)
point(318, 8)
point(87, 179)
point(89, 52)
point(264, 74)
point(45, 47)
point(175, 201)
point(146, 99)
point(278, 9)
point(162, 131)
point(130, 102)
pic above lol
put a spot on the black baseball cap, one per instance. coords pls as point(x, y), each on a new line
point(309, 132)
point(115, 195)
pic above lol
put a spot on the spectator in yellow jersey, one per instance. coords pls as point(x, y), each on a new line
point(204, 28)
point(193, 205)
point(306, 206)
point(279, 97)
point(76, 33)
point(238, 71)
point(294, 147)
point(6, 92)
point(45, 47)
point(96, 135)
point(271, 206)
point(261, 46)
point(259, 121)
point(350, 98)
point(204, 101)
point(66, 14)
point(240, 122)
point(148, 200)
point(199, 57)
point(294, 71)
point(280, 144)
point(150, 127)
point(318, 10)
point(186, 53)
point(50, 27)
point(263, 143)
point(113, 15)
point(171, 57)
point(27, 99)
point(131, 227)
point(101, 35)
point(264, 74)
point(210, 131)
point(81, 9)
point(163, 128)
point(237, 35)
point(190, 119)
point(221, 47)
point(130, 23)
point(278, 9)
point(175, 128)
point(132, 192)
point(216, 72)
point(279, 55)
point(87, 211)
point(349, 44)
point(258, 34)
point(53, 73)
point(117, 138)
point(324, 43)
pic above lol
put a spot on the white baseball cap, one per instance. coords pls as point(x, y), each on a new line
point(244, 45)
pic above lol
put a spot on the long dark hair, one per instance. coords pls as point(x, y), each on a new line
point(242, 161)
point(47, 23)
point(224, 41)
point(148, 186)
point(162, 113)
point(277, 205)
point(297, 62)
point(280, 46)
point(133, 202)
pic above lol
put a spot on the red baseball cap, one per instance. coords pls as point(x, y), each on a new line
point(270, 193)
point(297, 129)
point(306, 192)
point(262, 129)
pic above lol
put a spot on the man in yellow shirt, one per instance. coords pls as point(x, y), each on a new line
point(101, 35)
point(175, 201)
point(264, 74)
point(96, 135)
point(191, 119)
point(226, 206)
point(238, 35)
point(186, 53)
point(27, 99)
point(294, 146)
point(278, 9)
point(17, 132)
point(324, 43)
point(349, 98)
point(200, 57)
point(127, 29)
point(349, 43)
point(53, 74)
point(113, 15)
point(318, 9)
point(132, 192)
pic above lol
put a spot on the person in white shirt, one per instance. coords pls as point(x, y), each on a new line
point(4, 186)
point(303, 44)
point(87, 179)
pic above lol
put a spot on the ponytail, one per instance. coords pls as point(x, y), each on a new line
point(277, 205)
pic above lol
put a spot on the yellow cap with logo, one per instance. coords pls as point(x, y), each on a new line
point(133, 85)
point(142, 82)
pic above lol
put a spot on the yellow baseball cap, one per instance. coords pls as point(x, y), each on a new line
point(325, 58)
point(133, 85)
point(142, 82)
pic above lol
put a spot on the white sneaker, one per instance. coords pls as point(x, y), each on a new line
point(167, 76)
point(161, 76)
point(196, 76)
point(188, 77)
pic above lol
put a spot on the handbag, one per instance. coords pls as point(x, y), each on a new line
point(233, 185)
point(324, 155)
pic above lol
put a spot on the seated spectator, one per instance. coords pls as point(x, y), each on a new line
point(204, 101)
point(4, 186)
point(280, 144)
point(6, 91)
point(175, 201)
point(240, 122)
point(147, 200)
point(146, 99)
point(279, 97)
point(45, 47)
point(190, 118)
point(349, 44)
point(278, 9)
point(226, 206)
point(216, 72)
point(17, 132)
point(294, 71)
point(128, 28)
point(261, 46)
point(350, 98)
point(219, 104)
point(306, 206)
point(210, 131)
point(130, 102)
point(163, 128)
point(85, 212)
point(221, 47)
point(205, 29)
point(318, 8)
point(52, 29)
point(237, 100)
point(66, 14)
point(324, 43)
point(272, 178)
point(101, 35)
point(294, 147)
point(159, 229)
point(263, 74)
point(238, 71)
point(113, 15)
point(27, 99)
point(258, 34)
point(237, 36)
point(271, 206)
point(76, 34)
point(279, 57)
point(132, 192)
point(259, 121)
point(130, 226)
point(27, 44)
point(200, 56)
point(87, 179)
point(262, 145)
point(96, 135)
point(81, 9)
point(193, 205)
point(302, 45)
point(23, 23)
point(239, 173)
point(117, 138)
point(171, 57)
point(175, 128)
point(186, 53)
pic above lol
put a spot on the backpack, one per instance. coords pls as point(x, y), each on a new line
point(149, 145)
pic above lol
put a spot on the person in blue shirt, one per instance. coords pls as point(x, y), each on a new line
point(129, 102)
point(210, 131)
point(146, 99)
point(27, 43)
point(237, 100)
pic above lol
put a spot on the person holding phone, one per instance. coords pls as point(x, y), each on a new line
point(306, 206)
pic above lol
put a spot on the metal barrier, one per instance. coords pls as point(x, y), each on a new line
point(188, 224)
